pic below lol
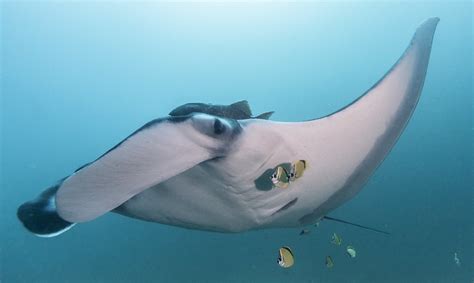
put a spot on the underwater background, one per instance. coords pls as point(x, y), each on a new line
point(78, 77)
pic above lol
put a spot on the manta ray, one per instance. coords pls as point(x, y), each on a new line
point(214, 167)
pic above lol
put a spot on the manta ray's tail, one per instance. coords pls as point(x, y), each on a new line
point(40, 217)
point(355, 224)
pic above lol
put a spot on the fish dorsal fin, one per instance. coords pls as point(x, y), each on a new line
point(242, 106)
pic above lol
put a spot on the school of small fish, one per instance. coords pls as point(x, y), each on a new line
point(281, 178)
point(337, 240)
point(286, 257)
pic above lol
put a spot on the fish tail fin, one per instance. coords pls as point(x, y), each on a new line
point(39, 216)
point(265, 116)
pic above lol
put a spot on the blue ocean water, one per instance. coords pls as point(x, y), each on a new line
point(77, 77)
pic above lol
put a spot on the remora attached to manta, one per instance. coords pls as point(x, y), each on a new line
point(204, 168)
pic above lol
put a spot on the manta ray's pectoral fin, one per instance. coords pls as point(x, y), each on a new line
point(348, 145)
point(156, 152)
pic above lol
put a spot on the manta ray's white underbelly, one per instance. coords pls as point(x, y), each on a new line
point(221, 195)
point(199, 198)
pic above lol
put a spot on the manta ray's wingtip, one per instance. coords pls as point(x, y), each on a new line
point(40, 217)
point(432, 20)
point(427, 28)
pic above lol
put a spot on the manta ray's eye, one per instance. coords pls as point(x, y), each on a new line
point(213, 126)
point(219, 127)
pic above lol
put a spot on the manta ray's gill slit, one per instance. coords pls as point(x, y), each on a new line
point(273, 198)
point(286, 206)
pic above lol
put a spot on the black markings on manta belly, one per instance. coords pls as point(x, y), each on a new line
point(286, 206)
